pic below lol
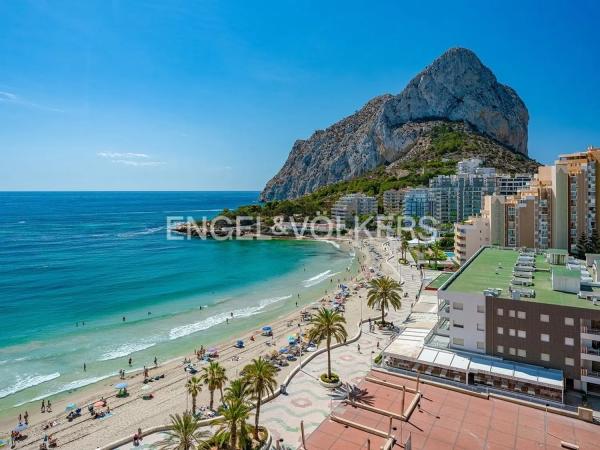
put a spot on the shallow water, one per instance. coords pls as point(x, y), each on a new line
point(73, 265)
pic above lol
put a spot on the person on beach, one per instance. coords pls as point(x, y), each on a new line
point(130, 361)
point(48, 406)
point(155, 362)
point(43, 409)
point(84, 367)
point(26, 417)
point(20, 418)
point(227, 321)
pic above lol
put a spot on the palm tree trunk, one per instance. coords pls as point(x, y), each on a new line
point(212, 395)
point(193, 404)
point(221, 391)
point(256, 418)
point(233, 435)
point(328, 357)
point(382, 315)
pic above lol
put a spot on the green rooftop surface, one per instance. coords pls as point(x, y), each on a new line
point(564, 272)
point(438, 281)
point(493, 267)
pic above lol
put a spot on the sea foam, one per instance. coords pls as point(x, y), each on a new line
point(27, 382)
point(318, 278)
point(72, 385)
point(125, 350)
point(185, 330)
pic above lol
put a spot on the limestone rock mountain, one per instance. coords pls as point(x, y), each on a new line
point(456, 87)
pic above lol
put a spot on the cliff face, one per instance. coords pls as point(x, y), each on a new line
point(455, 87)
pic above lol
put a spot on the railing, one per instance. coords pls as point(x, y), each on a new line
point(484, 389)
point(589, 330)
point(590, 350)
point(589, 373)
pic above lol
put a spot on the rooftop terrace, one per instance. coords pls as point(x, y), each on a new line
point(493, 268)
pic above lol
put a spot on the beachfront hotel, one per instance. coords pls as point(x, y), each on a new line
point(526, 322)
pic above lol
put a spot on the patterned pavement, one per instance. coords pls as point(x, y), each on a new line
point(307, 400)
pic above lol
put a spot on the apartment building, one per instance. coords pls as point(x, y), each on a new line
point(576, 208)
point(392, 201)
point(538, 309)
point(353, 205)
point(511, 184)
point(416, 202)
point(470, 236)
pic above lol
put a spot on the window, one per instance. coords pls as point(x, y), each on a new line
point(521, 315)
point(500, 330)
point(500, 311)
point(480, 345)
point(457, 305)
point(544, 337)
point(511, 332)
point(500, 349)
point(569, 341)
point(569, 362)
point(457, 324)
point(511, 313)
point(544, 318)
point(511, 350)
point(480, 327)
point(569, 321)
point(522, 334)
point(480, 308)
point(545, 357)
point(458, 341)
point(521, 353)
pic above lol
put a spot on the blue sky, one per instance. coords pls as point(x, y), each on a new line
point(212, 94)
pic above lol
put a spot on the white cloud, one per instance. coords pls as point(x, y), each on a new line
point(14, 99)
point(130, 159)
point(114, 155)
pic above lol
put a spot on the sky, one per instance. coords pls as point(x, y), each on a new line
point(211, 95)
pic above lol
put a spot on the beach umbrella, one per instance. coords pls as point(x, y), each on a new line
point(21, 427)
point(121, 386)
point(266, 328)
point(240, 343)
point(99, 404)
point(71, 407)
point(283, 350)
point(146, 387)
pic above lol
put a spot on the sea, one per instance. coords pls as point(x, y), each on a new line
point(93, 278)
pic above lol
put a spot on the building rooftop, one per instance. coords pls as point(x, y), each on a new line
point(445, 419)
point(492, 268)
point(438, 281)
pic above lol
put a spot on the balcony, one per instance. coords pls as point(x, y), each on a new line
point(589, 353)
point(592, 334)
point(444, 309)
point(590, 376)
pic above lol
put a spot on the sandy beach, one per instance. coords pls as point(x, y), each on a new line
point(130, 413)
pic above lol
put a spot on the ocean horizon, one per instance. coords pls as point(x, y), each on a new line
point(89, 277)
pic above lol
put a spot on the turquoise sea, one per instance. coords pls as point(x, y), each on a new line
point(74, 264)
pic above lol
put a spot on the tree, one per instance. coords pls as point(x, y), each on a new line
point(235, 412)
point(384, 293)
point(328, 324)
point(194, 387)
point(260, 376)
point(436, 250)
point(184, 434)
point(403, 246)
point(214, 378)
point(581, 246)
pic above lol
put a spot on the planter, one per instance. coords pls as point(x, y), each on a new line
point(330, 384)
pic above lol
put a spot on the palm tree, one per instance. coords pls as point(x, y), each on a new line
point(436, 250)
point(235, 412)
point(403, 246)
point(220, 378)
point(328, 324)
point(184, 434)
point(260, 376)
point(194, 387)
point(385, 293)
point(214, 378)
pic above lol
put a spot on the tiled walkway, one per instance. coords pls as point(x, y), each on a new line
point(307, 400)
